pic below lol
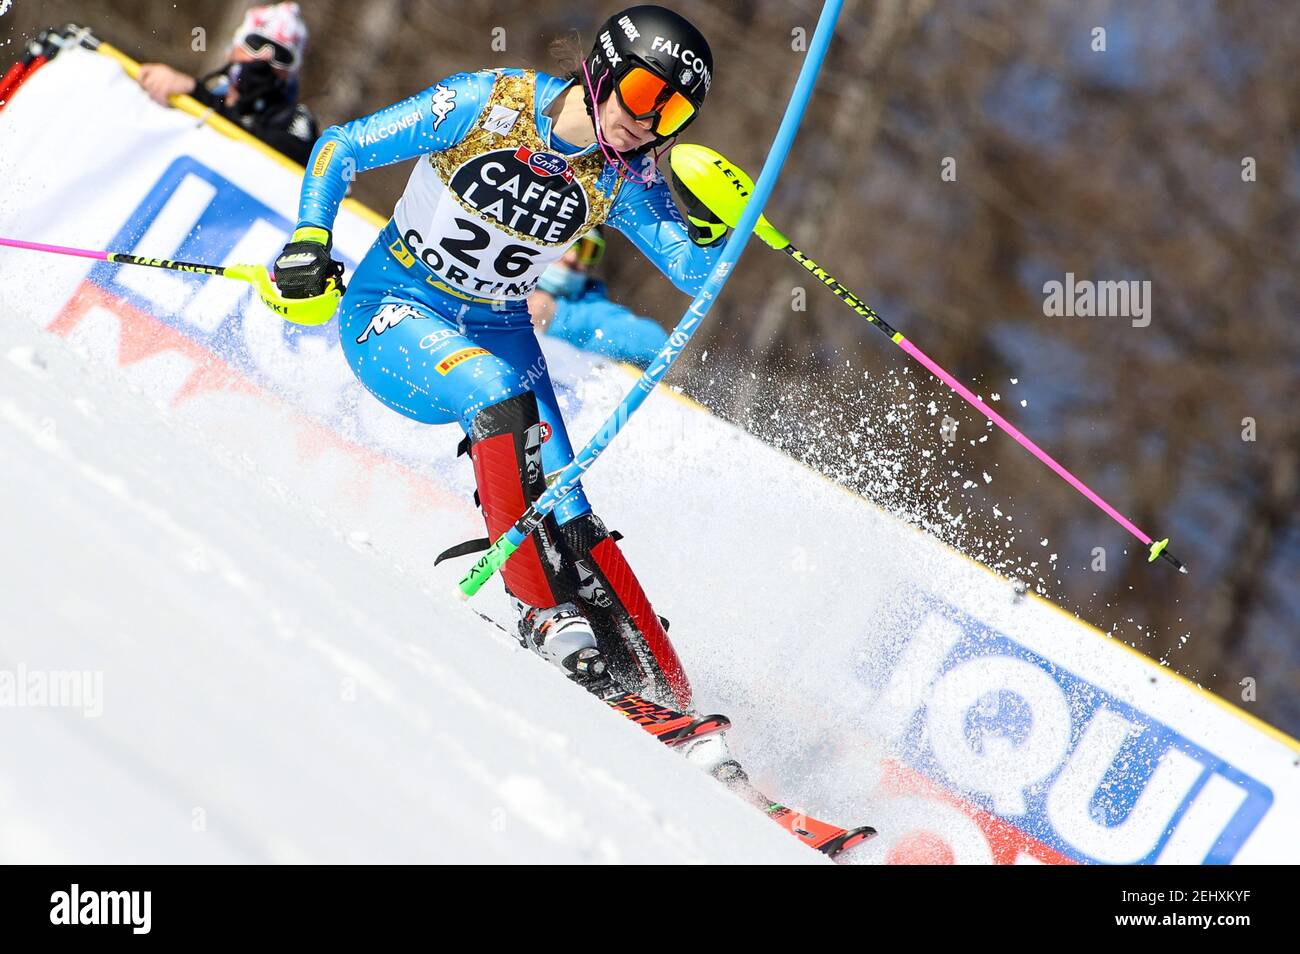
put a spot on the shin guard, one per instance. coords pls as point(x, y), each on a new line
point(630, 635)
point(505, 444)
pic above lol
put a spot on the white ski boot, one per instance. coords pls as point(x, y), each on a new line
point(563, 637)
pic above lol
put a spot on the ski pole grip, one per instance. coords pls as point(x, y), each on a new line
point(491, 561)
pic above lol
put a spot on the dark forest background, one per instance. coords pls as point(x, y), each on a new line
point(1170, 156)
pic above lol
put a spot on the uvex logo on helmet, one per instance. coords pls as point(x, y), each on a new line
point(629, 28)
point(611, 55)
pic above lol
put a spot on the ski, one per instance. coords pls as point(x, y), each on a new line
point(667, 725)
point(829, 839)
point(673, 727)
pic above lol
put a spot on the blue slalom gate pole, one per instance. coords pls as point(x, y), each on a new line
point(532, 518)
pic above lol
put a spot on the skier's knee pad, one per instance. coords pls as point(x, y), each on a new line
point(631, 635)
point(505, 444)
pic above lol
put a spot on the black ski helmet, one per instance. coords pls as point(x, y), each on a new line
point(662, 41)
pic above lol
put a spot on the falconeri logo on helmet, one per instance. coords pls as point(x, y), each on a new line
point(690, 59)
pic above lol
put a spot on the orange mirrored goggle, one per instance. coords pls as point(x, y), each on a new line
point(645, 95)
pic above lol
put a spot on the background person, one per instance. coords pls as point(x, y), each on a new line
point(257, 87)
point(571, 305)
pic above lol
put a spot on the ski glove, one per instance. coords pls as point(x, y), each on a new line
point(704, 227)
point(304, 269)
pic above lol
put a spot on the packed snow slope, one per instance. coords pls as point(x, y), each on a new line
point(273, 690)
point(286, 677)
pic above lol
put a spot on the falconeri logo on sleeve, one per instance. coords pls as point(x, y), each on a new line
point(377, 131)
point(130, 908)
point(457, 358)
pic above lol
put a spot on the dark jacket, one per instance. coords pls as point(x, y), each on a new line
point(268, 110)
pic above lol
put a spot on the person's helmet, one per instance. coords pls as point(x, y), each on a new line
point(657, 64)
point(276, 33)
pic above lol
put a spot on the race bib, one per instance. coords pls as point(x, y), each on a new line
point(530, 208)
point(489, 214)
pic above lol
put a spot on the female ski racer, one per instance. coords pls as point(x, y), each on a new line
point(514, 167)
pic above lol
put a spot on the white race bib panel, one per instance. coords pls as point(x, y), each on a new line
point(534, 193)
point(490, 214)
